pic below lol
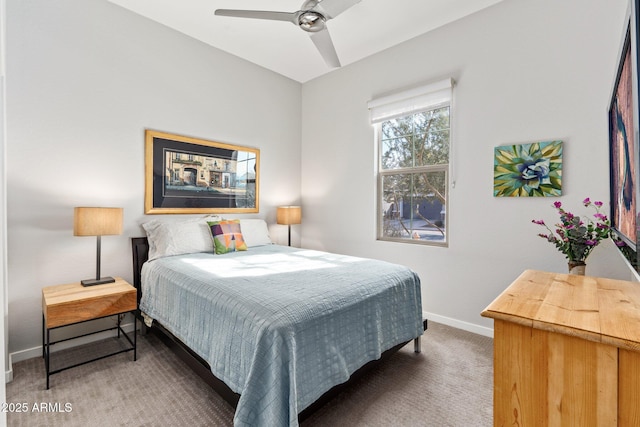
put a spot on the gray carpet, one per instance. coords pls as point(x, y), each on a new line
point(448, 384)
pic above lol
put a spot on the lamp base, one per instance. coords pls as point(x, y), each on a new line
point(100, 281)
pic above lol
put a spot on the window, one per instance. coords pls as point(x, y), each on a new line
point(413, 135)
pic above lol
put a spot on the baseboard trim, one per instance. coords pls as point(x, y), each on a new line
point(8, 375)
point(465, 326)
point(30, 353)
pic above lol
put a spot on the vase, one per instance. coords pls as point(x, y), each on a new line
point(577, 267)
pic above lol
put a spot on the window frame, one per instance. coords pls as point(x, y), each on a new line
point(381, 173)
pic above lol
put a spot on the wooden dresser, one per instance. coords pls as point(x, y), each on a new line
point(566, 351)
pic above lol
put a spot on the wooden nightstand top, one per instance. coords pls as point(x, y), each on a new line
point(73, 303)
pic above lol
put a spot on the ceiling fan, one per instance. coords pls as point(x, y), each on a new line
point(311, 17)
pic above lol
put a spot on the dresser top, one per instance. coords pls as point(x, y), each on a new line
point(592, 308)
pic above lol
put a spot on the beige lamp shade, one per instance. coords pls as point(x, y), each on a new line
point(97, 221)
point(288, 215)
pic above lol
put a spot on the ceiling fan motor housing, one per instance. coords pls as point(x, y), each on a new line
point(311, 21)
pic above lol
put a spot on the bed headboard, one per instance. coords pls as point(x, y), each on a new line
point(140, 249)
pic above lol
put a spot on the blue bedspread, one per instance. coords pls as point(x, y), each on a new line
point(281, 325)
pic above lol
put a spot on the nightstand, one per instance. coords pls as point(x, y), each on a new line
point(70, 304)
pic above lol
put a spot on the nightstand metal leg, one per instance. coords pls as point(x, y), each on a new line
point(47, 355)
point(135, 337)
point(43, 336)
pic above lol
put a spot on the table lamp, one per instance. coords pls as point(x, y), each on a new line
point(97, 222)
point(287, 215)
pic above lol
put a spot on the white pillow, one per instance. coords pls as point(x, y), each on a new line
point(167, 238)
point(255, 232)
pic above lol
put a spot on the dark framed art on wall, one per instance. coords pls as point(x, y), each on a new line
point(622, 150)
point(624, 153)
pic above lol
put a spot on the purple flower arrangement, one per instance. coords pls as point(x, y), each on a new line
point(575, 237)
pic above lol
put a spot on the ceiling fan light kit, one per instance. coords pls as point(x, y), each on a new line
point(311, 17)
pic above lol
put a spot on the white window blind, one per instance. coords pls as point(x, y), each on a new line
point(411, 101)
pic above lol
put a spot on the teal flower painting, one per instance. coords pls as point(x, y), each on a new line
point(528, 170)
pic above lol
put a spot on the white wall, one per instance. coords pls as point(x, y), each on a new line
point(84, 79)
point(525, 71)
point(3, 219)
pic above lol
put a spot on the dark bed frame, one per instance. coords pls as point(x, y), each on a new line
point(140, 247)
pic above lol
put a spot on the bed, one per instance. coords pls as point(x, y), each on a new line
point(275, 330)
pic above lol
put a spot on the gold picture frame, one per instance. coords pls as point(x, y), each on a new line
point(185, 175)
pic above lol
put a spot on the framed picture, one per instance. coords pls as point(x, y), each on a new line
point(528, 170)
point(622, 147)
point(185, 175)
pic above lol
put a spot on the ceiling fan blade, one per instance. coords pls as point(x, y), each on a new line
point(332, 8)
point(323, 43)
point(259, 14)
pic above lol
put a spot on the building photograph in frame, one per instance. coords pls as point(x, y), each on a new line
point(190, 175)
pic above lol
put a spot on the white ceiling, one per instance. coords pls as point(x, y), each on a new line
point(366, 28)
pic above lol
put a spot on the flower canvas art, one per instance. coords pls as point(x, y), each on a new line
point(528, 170)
